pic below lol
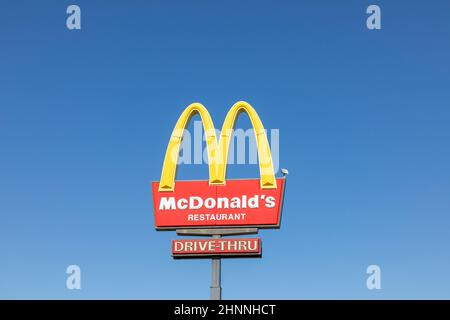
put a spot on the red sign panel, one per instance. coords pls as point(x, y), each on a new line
point(198, 204)
point(211, 247)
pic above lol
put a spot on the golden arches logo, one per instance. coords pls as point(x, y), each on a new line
point(218, 150)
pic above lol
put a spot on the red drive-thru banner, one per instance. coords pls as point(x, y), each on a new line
point(211, 247)
point(199, 204)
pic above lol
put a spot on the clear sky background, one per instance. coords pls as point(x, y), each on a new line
point(85, 117)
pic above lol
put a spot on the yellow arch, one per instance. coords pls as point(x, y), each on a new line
point(218, 151)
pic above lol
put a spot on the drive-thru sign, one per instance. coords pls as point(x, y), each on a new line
point(217, 207)
point(213, 247)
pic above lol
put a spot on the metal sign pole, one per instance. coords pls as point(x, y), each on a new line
point(216, 289)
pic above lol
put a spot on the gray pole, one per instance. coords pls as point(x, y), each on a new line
point(216, 290)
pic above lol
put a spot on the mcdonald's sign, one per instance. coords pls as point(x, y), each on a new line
point(218, 202)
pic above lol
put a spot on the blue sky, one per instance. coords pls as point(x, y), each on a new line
point(85, 117)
